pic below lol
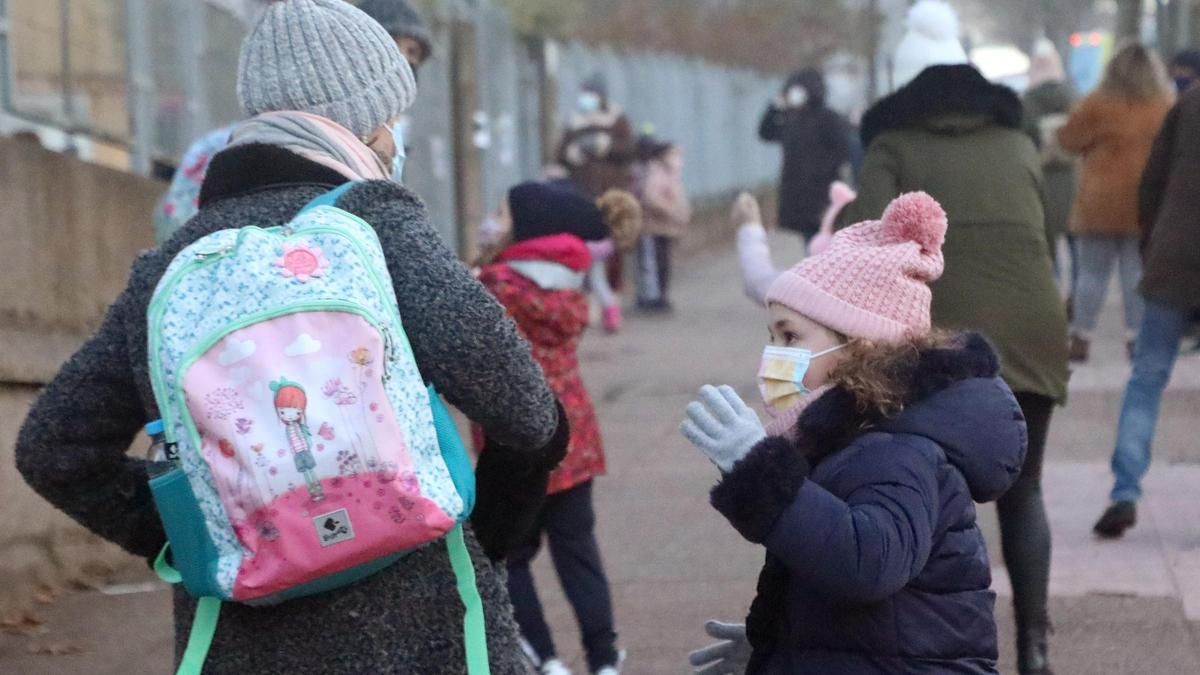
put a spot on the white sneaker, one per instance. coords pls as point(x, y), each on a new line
point(613, 670)
point(555, 667)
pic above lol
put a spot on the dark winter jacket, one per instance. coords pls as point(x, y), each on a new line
point(816, 143)
point(598, 150)
point(406, 618)
point(1169, 209)
point(956, 136)
point(874, 561)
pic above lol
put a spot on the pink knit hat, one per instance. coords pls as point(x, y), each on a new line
point(872, 281)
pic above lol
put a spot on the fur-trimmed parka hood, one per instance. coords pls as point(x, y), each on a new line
point(949, 99)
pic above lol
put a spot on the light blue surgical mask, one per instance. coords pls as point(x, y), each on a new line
point(589, 102)
point(401, 154)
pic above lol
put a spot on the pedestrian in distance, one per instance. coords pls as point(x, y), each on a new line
point(598, 150)
point(1111, 130)
point(951, 133)
point(816, 147)
point(321, 113)
point(666, 214)
point(1184, 69)
point(884, 432)
point(539, 278)
point(1168, 201)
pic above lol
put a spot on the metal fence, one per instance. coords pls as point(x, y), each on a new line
point(711, 110)
point(152, 75)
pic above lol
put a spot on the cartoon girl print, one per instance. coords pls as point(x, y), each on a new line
point(290, 404)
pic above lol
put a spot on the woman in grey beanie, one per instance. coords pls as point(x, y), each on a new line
point(323, 83)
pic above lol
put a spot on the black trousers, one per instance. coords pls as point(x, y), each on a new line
point(1024, 529)
point(568, 521)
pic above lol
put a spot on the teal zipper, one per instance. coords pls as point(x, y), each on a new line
point(203, 259)
point(157, 307)
point(215, 337)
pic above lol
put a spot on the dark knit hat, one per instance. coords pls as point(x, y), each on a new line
point(651, 147)
point(545, 209)
point(597, 84)
point(400, 20)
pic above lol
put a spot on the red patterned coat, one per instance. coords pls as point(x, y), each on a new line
point(553, 321)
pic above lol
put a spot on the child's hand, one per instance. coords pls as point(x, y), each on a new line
point(746, 210)
point(722, 426)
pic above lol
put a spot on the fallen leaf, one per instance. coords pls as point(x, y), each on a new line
point(25, 625)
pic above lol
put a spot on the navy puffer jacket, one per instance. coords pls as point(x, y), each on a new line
point(874, 561)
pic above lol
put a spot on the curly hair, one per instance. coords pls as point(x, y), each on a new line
point(623, 215)
point(880, 375)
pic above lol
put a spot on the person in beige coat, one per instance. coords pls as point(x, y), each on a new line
point(667, 213)
point(1112, 130)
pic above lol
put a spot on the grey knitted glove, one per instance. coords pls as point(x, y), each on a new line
point(722, 426)
point(730, 656)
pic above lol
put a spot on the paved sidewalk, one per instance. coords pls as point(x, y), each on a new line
point(1119, 607)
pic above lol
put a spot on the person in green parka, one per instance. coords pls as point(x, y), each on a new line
point(956, 136)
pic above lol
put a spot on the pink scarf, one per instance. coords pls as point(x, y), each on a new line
point(315, 138)
point(784, 423)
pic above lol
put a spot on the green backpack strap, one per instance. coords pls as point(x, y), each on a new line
point(474, 627)
point(204, 623)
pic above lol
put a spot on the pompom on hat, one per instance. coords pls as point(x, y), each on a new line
point(872, 282)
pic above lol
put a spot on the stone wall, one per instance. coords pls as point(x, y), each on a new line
point(69, 231)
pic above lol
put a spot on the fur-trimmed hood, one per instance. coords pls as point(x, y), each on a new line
point(949, 99)
point(952, 395)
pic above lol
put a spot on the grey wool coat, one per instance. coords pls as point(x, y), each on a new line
point(404, 619)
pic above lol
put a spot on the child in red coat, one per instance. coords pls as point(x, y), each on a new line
point(539, 278)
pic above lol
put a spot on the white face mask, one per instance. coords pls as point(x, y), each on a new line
point(797, 96)
point(781, 376)
point(401, 155)
point(589, 102)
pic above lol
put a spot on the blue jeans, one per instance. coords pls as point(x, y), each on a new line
point(1163, 327)
point(1095, 256)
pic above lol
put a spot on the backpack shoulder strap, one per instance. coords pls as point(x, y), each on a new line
point(329, 198)
point(204, 622)
point(474, 626)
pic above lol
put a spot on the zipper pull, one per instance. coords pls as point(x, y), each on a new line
point(204, 255)
point(388, 352)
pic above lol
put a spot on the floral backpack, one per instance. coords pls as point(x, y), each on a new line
point(306, 451)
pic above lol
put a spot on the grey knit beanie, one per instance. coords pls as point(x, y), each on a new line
point(327, 58)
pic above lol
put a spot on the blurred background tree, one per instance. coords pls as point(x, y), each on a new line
point(773, 35)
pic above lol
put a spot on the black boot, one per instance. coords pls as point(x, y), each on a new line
point(1032, 657)
point(1116, 519)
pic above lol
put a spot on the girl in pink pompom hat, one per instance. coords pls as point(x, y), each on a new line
point(861, 488)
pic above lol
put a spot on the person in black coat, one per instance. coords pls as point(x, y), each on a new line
point(816, 144)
